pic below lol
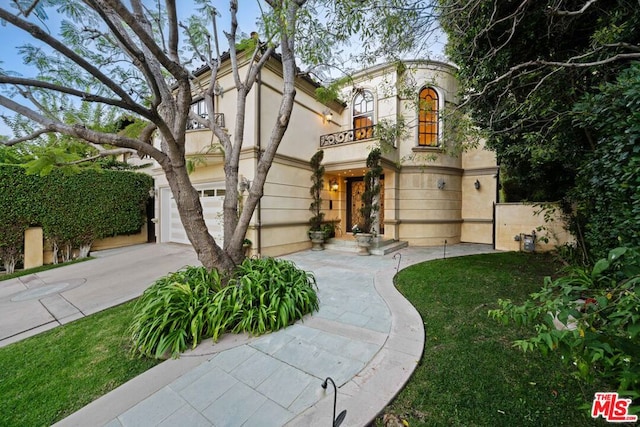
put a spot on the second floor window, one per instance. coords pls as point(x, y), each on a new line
point(363, 115)
point(428, 120)
point(200, 108)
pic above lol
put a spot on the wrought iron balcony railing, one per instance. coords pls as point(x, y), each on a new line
point(347, 136)
point(218, 117)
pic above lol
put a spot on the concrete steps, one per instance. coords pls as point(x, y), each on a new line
point(378, 246)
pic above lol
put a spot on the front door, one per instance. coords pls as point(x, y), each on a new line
point(355, 188)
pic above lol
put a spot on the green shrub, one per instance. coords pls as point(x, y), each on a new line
point(183, 308)
point(600, 309)
point(170, 314)
point(274, 293)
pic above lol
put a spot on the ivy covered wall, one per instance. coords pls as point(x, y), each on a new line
point(73, 210)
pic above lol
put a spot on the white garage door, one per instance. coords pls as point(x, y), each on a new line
point(171, 227)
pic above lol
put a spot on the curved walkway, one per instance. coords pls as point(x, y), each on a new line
point(365, 336)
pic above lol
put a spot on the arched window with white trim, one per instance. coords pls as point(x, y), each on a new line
point(363, 113)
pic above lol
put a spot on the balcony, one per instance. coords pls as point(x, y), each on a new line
point(347, 136)
point(217, 117)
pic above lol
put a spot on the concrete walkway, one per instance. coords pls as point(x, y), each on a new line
point(365, 336)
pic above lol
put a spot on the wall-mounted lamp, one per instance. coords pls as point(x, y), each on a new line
point(217, 90)
point(477, 184)
point(441, 184)
point(327, 116)
point(244, 184)
point(333, 184)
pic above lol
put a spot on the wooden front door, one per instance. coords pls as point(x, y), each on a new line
point(355, 188)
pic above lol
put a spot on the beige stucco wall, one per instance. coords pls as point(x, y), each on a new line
point(415, 209)
point(101, 244)
point(121, 241)
point(514, 219)
point(479, 166)
point(427, 214)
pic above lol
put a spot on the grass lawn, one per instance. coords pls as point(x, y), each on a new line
point(49, 376)
point(469, 374)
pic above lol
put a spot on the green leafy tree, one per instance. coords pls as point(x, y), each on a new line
point(607, 195)
point(524, 65)
point(524, 68)
point(589, 316)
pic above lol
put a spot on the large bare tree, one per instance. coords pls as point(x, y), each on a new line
point(128, 57)
point(131, 57)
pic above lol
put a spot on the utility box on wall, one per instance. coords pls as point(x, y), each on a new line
point(529, 242)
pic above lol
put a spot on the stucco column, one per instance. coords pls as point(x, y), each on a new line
point(33, 246)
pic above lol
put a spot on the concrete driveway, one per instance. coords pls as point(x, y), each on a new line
point(32, 304)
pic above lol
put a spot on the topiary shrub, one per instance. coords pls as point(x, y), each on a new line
point(183, 308)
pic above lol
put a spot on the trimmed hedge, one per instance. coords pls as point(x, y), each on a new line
point(73, 210)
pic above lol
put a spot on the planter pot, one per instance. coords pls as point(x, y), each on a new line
point(317, 239)
point(364, 243)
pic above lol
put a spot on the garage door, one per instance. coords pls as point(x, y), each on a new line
point(172, 230)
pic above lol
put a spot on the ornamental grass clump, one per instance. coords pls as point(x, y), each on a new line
point(183, 308)
point(274, 293)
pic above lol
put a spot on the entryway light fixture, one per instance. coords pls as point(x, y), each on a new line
point(477, 184)
point(441, 184)
point(327, 116)
point(244, 184)
point(333, 184)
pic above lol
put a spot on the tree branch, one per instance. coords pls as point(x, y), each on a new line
point(84, 133)
point(577, 12)
point(39, 34)
point(85, 96)
point(103, 153)
point(173, 30)
point(134, 22)
point(128, 46)
point(29, 137)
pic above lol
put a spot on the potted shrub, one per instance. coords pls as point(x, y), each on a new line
point(246, 245)
point(316, 233)
point(364, 232)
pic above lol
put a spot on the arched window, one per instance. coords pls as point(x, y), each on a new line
point(363, 115)
point(428, 120)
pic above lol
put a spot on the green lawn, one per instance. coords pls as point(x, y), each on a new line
point(47, 377)
point(469, 374)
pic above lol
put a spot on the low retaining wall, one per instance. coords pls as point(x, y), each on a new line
point(516, 220)
point(38, 252)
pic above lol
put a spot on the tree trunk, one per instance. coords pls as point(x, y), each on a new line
point(190, 209)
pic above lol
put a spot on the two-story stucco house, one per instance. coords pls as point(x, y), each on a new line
point(427, 196)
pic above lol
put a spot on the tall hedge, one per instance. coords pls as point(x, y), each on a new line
point(18, 210)
point(73, 209)
point(607, 191)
